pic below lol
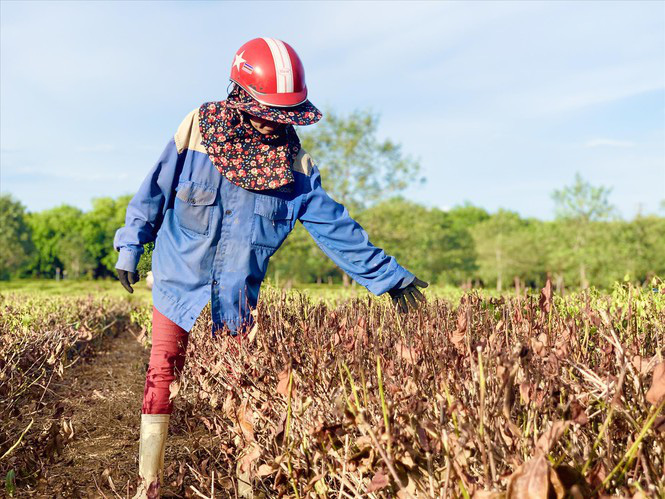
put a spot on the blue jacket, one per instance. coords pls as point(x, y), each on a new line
point(213, 239)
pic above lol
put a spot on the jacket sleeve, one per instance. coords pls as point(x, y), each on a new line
point(146, 209)
point(346, 243)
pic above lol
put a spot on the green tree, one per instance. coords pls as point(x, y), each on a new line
point(358, 169)
point(578, 206)
point(76, 259)
point(464, 218)
point(15, 237)
point(145, 262)
point(579, 259)
point(301, 260)
point(508, 247)
point(467, 215)
point(58, 240)
point(98, 228)
point(425, 240)
point(648, 240)
point(581, 201)
point(637, 248)
point(432, 243)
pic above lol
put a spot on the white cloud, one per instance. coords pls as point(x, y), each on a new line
point(603, 142)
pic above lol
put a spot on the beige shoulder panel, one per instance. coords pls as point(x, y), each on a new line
point(303, 163)
point(188, 135)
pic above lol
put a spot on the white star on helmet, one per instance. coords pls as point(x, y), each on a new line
point(239, 60)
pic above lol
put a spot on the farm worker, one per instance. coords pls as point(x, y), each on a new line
point(222, 198)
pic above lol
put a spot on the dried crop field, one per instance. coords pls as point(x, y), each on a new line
point(529, 396)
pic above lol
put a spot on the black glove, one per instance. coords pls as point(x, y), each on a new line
point(127, 279)
point(403, 297)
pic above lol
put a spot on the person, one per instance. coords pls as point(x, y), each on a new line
point(224, 195)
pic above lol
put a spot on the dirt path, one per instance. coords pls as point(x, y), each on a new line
point(101, 398)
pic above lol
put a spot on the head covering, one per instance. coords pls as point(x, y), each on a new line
point(241, 153)
point(300, 115)
point(271, 72)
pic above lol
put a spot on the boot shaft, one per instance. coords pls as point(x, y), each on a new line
point(154, 429)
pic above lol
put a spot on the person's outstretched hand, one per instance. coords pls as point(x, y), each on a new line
point(127, 279)
point(408, 296)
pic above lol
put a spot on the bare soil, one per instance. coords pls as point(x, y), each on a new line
point(96, 425)
point(92, 418)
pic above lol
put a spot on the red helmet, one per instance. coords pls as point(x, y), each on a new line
point(271, 72)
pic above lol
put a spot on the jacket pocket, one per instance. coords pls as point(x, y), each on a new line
point(193, 206)
point(272, 222)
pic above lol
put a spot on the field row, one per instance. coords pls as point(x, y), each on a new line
point(490, 397)
point(493, 397)
point(41, 338)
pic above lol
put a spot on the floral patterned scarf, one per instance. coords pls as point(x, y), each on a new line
point(241, 153)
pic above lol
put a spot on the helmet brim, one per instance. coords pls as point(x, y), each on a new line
point(301, 115)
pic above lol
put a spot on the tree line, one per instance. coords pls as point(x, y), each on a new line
point(468, 246)
point(586, 244)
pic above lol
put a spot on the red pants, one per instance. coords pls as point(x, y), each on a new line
point(167, 358)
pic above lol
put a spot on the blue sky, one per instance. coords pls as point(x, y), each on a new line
point(502, 102)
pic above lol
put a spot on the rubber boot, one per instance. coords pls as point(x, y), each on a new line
point(154, 428)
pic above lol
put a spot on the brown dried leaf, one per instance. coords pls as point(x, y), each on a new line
point(556, 487)
point(245, 420)
point(657, 390)
point(422, 438)
point(407, 460)
point(578, 413)
point(525, 390)
point(550, 437)
point(457, 338)
point(573, 482)
point(180, 478)
point(174, 388)
point(255, 328)
point(597, 475)
point(283, 384)
point(252, 454)
point(640, 364)
point(408, 354)
point(539, 345)
point(545, 301)
point(364, 442)
point(518, 317)
point(265, 470)
point(379, 481)
point(226, 483)
point(229, 406)
point(534, 480)
point(409, 489)
point(486, 494)
point(461, 320)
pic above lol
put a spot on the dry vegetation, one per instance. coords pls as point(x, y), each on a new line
point(524, 397)
point(530, 396)
point(41, 338)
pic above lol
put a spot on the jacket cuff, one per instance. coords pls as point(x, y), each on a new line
point(399, 278)
point(128, 260)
